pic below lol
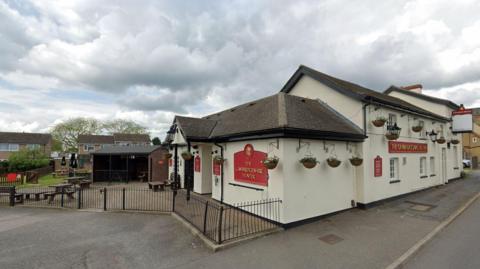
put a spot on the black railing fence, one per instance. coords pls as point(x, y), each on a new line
point(218, 222)
point(102, 198)
point(222, 222)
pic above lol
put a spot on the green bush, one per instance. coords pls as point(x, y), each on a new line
point(26, 159)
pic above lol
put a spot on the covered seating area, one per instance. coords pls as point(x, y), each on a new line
point(126, 163)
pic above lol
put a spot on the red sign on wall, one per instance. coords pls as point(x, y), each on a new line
point(407, 147)
point(377, 166)
point(170, 162)
point(197, 163)
point(216, 169)
point(248, 166)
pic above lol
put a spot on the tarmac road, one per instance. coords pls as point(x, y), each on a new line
point(457, 246)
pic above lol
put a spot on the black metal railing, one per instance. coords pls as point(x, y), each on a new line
point(101, 198)
point(222, 222)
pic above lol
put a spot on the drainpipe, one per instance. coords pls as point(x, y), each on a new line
point(221, 173)
point(175, 166)
point(365, 118)
point(185, 181)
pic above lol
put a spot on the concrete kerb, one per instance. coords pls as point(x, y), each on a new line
point(398, 263)
point(216, 247)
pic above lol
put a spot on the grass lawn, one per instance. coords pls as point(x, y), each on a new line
point(44, 181)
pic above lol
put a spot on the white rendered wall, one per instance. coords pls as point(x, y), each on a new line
point(438, 109)
point(347, 106)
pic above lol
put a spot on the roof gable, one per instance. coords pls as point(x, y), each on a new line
point(428, 98)
point(356, 91)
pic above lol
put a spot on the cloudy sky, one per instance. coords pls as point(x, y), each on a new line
point(149, 60)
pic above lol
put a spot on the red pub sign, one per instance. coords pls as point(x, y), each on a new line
point(248, 166)
point(196, 163)
point(216, 169)
point(407, 147)
point(377, 166)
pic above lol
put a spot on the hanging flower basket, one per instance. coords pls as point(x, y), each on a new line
point(455, 141)
point(356, 161)
point(271, 162)
point(187, 155)
point(417, 128)
point(309, 162)
point(168, 155)
point(392, 136)
point(333, 162)
point(441, 140)
point(219, 160)
point(379, 121)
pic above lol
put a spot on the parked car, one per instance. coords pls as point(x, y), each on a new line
point(467, 164)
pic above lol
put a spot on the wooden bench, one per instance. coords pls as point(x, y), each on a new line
point(84, 184)
point(51, 195)
point(36, 194)
point(156, 186)
point(6, 191)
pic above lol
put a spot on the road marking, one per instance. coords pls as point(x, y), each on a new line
point(410, 252)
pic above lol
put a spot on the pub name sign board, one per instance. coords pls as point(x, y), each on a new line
point(407, 147)
point(248, 166)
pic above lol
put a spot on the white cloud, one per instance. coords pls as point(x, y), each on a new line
point(148, 61)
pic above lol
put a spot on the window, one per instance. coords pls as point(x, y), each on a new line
point(14, 147)
point(392, 119)
point(33, 146)
point(9, 147)
point(3, 147)
point(423, 166)
point(394, 169)
point(432, 166)
point(89, 147)
point(474, 139)
point(455, 157)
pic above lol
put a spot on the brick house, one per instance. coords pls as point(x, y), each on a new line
point(88, 144)
point(471, 141)
point(13, 142)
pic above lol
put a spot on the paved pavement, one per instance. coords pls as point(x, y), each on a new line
point(48, 238)
point(458, 246)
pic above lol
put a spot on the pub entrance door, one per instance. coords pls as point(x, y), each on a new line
point(189, 174)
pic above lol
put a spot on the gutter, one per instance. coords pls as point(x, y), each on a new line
point(221, 173)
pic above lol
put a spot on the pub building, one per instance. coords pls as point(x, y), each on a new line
point(321, 145)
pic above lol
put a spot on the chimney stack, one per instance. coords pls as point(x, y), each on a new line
point(414, 88)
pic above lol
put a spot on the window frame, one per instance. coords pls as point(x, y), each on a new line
point(423, 167)
point(394, 170)
point(432, 166)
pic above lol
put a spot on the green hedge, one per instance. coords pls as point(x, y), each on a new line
point(25, 160)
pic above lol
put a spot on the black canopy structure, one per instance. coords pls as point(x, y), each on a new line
point(123, 163)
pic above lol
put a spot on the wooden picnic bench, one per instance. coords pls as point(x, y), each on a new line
point(59, 190)
point(156, 185)
point(4, 191)
point(84, 184)
point(36, 194)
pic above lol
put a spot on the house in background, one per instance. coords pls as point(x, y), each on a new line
point(471, 141)
point(88, 144)
point(13, 142)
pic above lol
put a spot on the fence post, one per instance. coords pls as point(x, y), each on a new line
point(173, 200)
point(123, 198)
point(61, 200)
point(220, 225)
point(12, 196)
point(205, 219)
point(104, 199)
point(79, 205)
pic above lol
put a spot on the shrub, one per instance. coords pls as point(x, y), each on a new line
point(26, 159)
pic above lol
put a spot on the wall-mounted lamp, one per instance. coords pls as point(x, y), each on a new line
point(433, 136)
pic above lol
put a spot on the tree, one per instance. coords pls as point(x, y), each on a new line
point(123, 126)
point(57, 145)
point(67, 132)
point(156, 141)
point(27, 159)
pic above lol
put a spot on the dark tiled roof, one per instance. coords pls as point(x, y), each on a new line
point(356, 91)
point(131, 149)
point(25, 138)
point(432, 99)
point(132, 137)
point(97, 139)
point(280, 114)
point(196, 128)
